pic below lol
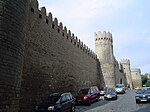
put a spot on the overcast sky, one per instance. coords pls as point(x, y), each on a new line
point(127, 20)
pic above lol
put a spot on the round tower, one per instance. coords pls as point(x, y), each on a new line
point(127, 70)
point(12, 22)
point(104, 51)
point(136, 77)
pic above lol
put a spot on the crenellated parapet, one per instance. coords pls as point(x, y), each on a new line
point(125, 61)
point(136, 77)
point(103, 36)
point(58, 28)
point(136, 70)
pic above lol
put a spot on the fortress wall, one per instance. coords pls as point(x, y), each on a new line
point(55, 60)
point(12, 23)
point(119, 75)
point(136, 77)
point(104, 51)
point(127, 70)
point(108, 74)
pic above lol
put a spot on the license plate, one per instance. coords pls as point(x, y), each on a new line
point(143, 100)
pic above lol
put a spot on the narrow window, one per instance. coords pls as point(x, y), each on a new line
point(71, 40)
point(47, 21)
point(53, 26)
point(32, 10)
point(58, 30)
point(67, 37)
point(40, 16)
point(63, 34)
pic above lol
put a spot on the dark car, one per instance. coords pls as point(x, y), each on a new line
point(88, 95)
point(57, 102)
point(110, 94)
point(142, 95)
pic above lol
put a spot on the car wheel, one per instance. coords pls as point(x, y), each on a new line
point(89, 102)
point(116, 97)
point(97, 99)
point(73, 108)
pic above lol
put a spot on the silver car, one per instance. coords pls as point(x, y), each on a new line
point(110, 94)
point(120, 88)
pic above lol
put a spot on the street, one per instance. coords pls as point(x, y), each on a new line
point(124, 103)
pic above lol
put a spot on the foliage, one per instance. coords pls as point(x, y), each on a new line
point(144, 79)
point(148, 83)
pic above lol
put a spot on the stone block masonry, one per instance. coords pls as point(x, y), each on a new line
point(12, 22)
point(54, 60)
point(39, 56)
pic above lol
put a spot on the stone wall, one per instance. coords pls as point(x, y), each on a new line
point(136, 77)
point(127, 70)
point(119, 74)
point(104, 51)
point(12, 23)
point(54, 61)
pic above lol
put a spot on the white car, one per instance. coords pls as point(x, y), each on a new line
point(120, 88)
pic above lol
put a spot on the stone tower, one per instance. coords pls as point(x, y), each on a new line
point(104, 51)
point(136, 77)
point(127, 70)
point(12, 23)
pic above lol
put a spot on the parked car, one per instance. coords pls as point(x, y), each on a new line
point(88, 95)
point(103, 91)
point(110, 94)
point(142, 95)
point(120, 88)
point(57, 102)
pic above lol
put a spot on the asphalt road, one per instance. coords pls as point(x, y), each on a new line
point(124, 103)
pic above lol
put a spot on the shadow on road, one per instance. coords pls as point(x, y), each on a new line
point(82, 108)
point(144, 109)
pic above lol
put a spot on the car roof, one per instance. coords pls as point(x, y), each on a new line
point(59, 94)
point(89, 87)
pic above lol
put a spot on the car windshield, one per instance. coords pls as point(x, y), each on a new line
point(109, 91)
point(83, 91)
point(119, 86)
point(143, 91)
point(52, 99)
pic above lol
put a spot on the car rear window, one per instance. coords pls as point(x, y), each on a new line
point(52, 99)
point(84, 91)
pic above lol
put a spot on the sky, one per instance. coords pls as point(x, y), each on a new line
point(127, 20)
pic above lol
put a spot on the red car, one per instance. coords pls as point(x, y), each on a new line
point(88, 95)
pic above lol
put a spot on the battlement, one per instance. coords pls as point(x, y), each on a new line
point(103, 36)
point(136, 70)
point(58, 28)
point(125, 61)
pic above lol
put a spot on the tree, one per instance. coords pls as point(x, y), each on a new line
point(148, 83)
point(144, 79)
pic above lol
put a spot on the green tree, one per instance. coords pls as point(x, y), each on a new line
point(148, 83)
point(144, 79)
